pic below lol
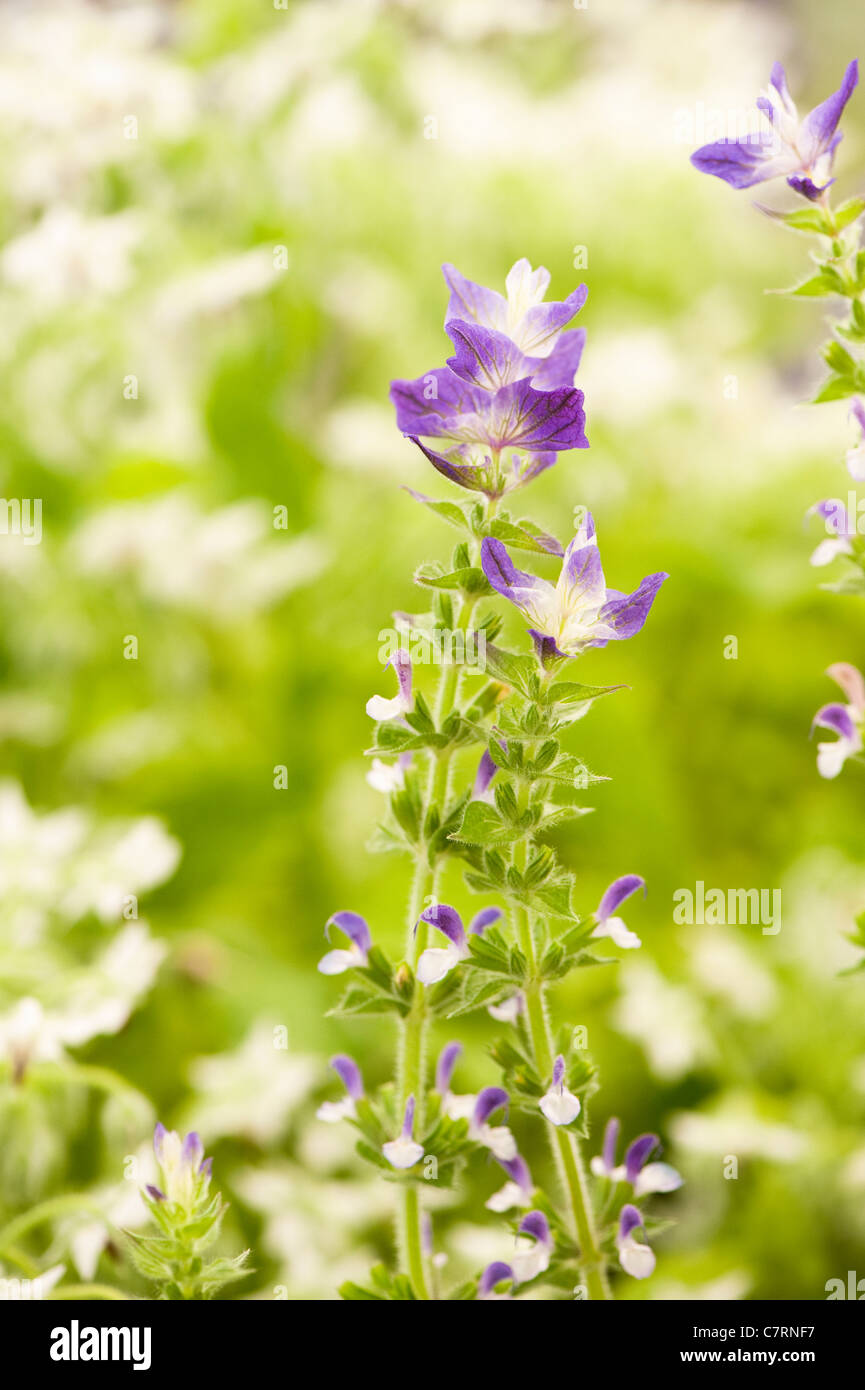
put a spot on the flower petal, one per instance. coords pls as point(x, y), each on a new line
point(448, 921)
point(620, 889)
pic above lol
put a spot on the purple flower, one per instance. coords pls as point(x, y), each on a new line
point(610, 925)
point(388, 777)
point(559, 1105)
point(184, 1171)
point(448, 1058)
point(840, 528)
point(800, 150)
point(355, 928)
point(436, 961)
point(844, 720)
point(533, 326)
point(404, 1152)
point(486, 772)
point(377, 707)
point(494, 1274)
point(577, 612)
point(645, 1178)
point(635, 1257)
point(533, 1251)
point(509, 1010)
point(497, 1138)
point(856, 455)
point(517, 1191)
point(348, 1072)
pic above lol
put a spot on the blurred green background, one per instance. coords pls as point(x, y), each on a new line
point(222, 225)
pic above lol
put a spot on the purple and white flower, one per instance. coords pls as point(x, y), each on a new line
point(517, 1191)
point(856, 455)
point(560, 1106)
point(477, 1109)
point(635, 1257)
point(348, 1071)
point(184, 1172)
point(577, 612)
point(645, 1178)
point(838, 523)
point(610, 925)
point(355, 928)
point(487, 770)
point(379, 708)
point(521, 316)
point(404, 1151)
point(844, 720)
point(494, 1274)
point(508, 1010)
point(534, 1247)
point(436, 961)
point(388, 777)
point(801, 150)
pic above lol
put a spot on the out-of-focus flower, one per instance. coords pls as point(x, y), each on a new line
point(801, 150)
point(509, 1010)
point(67, 256)
point(610, 925)
point(838, 522)
point(665, 1019)
point(560, 1106)
point(484, 775)
point(253, 1090)
point(577, 612)
point(844, 720)
point(636, 1257)
point(534, 1247)
point(353, 926)
point(377, 707)
point(517, 1191)
point(33, 1290)
point(388, 777)
point(436, 961)
point(404, 1151)
point(856, 455)
point(348, 1072)
point(184, 1172)
point(494, 1274)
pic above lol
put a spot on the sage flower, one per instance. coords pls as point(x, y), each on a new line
point(645, 1178)
point(517, 1191)
point(532, 1255)
point(801, 150)
point(404, 1152)
point(856, 455)
point(184, 1172)
point(635, 1257)
point(377, 707)
point(495, 1274)
point(521, 316)
point(559, 1105)
point(837, 519)
point(844, 720)
point(348, 1071)
point(509, 1010)
point(388, 777)
point(436, 961)
point(577, 612)
point(610, 925)
point(355, 928)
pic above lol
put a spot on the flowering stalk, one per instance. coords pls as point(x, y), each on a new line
point(495, 417)
point(189, 1220)
point(803, 152)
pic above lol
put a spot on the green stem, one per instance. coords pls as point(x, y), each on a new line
point(68, 1292)
point(47, 1211)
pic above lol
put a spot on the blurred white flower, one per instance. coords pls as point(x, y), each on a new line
point(724, 968)
point(88, 1236)
point(16, 1289)
point(664, 1019)
point(226, 563)
point(254, 1090)
point(735, 1127)
point(67, 256)
point(215, 287)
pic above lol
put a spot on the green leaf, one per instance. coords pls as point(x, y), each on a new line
point(469, 580)
point(450, 512)
point(519, 671)
point(524, 535)
point(482, 825)
point(848, 212)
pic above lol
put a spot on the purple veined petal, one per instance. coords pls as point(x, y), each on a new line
point(819, 126)
point(611, 1139)
point(451, 466)
point(206, 1168)
point(154, 1192)
point(484, 919)
point(448, 921)
point(408, 1119)
point(348, 1072)
point(354, 927)
point(535, 1224)
point(519, 469)
point(637, 1154)
point(582, 573)
point(627, 614)
point(513, 584)
point(618, 891)
point(488, 358)
point(448, 1058)
point(560, 368)
point(159, 1136)
point(490, 1099)
point(542, 323)
point(518, 416)
point(518, 1171)
point(629, 1220)
point(494, 1274)
point(487, 770)
point(472, 302)
point(401, 663)
point(558, 1070)
point(192, 1152)
point(851, 681)
point(429, 404)
point(835, 717)
point(807, 188)
point(740, 163)
point(545, 647)
point(778, 79)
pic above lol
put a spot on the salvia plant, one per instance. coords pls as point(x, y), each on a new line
point(802, 150)
point(491, 420)
point(188, 1219)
